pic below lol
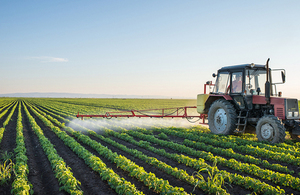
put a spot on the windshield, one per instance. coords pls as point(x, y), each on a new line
point(222, 83)
point(255, 79)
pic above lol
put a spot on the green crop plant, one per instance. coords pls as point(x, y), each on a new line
point(215, 178)
point(6, 156)
point(6, 170)
point(21, 185)
point(163, 136)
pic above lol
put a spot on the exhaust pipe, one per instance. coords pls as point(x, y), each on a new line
point(267, 84)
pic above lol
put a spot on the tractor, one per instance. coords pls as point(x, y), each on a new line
point(245, 98)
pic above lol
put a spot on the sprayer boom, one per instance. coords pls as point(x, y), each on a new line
point(180, 112)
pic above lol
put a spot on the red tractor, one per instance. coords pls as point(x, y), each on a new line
point(245, 97)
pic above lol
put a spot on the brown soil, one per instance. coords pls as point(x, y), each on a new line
point(40, 174)
point(149, 168)
point(8, 144)
point(234, 190)
point(91, 182)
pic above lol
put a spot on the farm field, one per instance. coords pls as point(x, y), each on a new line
point(45, 149)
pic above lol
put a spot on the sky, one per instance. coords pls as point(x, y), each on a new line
point(145, 48)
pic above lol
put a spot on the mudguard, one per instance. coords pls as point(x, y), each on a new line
point(205, 100)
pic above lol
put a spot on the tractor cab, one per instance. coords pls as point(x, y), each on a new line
point(241, 82)
point(247, 79)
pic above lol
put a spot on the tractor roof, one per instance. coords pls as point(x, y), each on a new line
point(243, 66)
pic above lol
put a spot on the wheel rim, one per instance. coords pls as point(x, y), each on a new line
point(267, 131)
point(220, 120)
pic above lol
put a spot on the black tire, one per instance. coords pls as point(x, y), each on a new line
point(222, 117)
point(270, 128)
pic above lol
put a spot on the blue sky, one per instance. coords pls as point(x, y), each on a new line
point(168, 48)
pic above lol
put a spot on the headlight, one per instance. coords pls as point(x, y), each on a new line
point(290, 114)
point(296, 114)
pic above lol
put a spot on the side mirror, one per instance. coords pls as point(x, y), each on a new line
point(283, 76)
point(214, 75)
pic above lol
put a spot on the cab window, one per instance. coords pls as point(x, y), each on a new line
point(255, 79)
point(222, 82)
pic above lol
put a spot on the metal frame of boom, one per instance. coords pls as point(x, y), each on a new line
point(142, 113)
point(177, 113)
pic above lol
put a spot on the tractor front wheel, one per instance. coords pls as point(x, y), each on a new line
point(222, 117)
point(270, 128)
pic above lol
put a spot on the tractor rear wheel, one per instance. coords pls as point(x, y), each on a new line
point(222, 117)
point(270, 128)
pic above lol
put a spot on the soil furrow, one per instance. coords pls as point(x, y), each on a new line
point(91, 182)
point(234, 190)
point(149, 168)
point(40, 174)
point(8, 142)
point(139, 185)
point(8, 145)
point(169, 150)
point(289, 166)
point(3, 118)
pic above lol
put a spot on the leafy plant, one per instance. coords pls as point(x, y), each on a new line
point(215, 178)
point(6, 156)
point(163, 136)
point(5, 171)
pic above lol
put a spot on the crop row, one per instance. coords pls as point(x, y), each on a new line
point(21, 185)
point(220, 151)
point(149, 179)
point(238, 145)
point(62, 172)
point(275, 177)
point(256, 185)
point(6, 110)
point(225, 141)
point(178, 173)
point(69, 106)
point(6, 102)
point(114, 180)
point(204, 144)
point(2, 129)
